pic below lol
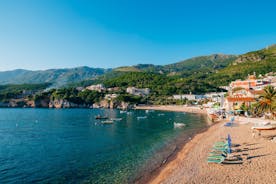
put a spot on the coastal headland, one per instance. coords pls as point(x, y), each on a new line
point(189, 165)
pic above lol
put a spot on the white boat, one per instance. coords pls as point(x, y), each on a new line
point(178, 125)
point(142, 117)
point(129, 113)
point(107, 122)
point(116, 119)
point(161, 114)
point(266, 126)
point(123, 112)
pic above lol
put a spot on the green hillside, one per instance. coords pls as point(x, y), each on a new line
point(261, 62)
point(203, 64)
point(58, 77)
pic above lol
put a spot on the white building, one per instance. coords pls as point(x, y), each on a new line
point(137, 91)
point(97, 87)
point(189, 97)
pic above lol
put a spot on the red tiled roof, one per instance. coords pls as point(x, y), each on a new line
point(240, 99)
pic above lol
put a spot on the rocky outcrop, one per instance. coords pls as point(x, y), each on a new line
point(110, 104)
point(65, 104)
point(47, 103)
point(249, 57)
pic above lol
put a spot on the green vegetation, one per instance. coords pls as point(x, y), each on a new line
point(267, 101)
point(260, 62)
point(58, 77)
point(10, 91)
point(196, 75)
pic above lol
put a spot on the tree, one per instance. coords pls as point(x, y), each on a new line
point(267, 101)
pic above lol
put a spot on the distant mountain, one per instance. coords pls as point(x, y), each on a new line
point(202, 63)
point(215, 61)
point(58, 77)
point(204, 72)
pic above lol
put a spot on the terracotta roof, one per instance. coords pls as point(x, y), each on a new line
point(240, 99)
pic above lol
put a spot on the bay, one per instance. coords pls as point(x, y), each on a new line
point(71, 146)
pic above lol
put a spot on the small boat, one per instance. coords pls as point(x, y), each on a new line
point(267, 126)
point(122, 112)
point(178, 125)
point(101, 117)
point(161, 114)
point(142, 117)
point(129, 113)
point(116, 119)
point(107, 122)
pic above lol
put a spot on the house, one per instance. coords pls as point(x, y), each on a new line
point(250, 83)
point(137, 91)
point(241, 96)
point(246, 91)
point(97, 87)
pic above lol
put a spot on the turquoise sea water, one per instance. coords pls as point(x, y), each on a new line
point(70, 146)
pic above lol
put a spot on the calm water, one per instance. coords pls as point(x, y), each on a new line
point(70, 146)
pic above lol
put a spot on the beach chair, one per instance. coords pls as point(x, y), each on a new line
point(216, 160)
point(212, 154)
point(220, 151)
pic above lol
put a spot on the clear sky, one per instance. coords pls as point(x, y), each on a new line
point(42, 34)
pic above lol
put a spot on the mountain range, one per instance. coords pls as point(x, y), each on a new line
point(57, 77)
point(216, 69)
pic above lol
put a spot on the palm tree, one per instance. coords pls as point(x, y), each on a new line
point(267, 101)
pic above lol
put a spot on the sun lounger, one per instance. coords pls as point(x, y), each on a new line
point(220, 151)
point(217, 161)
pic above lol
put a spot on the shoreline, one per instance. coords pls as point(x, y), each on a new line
point(158, 174)
point(189, 163)
point(174, 108)
point(166, 169)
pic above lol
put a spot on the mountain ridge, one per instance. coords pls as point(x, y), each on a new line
point(210, 68)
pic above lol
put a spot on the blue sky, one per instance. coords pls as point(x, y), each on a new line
point(42, 34)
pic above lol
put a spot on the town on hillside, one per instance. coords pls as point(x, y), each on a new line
point(239, 97)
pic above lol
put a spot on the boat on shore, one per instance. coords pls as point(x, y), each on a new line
point(267, 126)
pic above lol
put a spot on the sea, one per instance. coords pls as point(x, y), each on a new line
point(72, 146)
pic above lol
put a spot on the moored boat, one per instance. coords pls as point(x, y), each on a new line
point(107, 122)
point(178, 125)
point(101, 117)
point(116, 119)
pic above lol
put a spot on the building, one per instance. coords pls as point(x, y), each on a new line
point(110, 96)
point(250, 83)
point(215, 96)
point(189, 97)
point(241, 96)
point(113, 89)
point(97, 87)
point(137, 91)
point(247, 91)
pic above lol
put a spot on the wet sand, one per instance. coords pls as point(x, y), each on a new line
point(190, 163)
